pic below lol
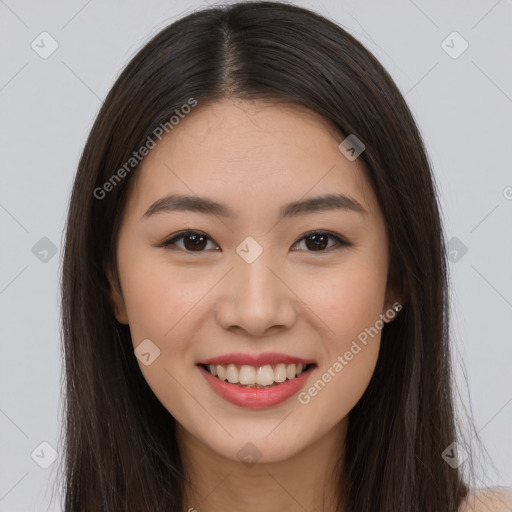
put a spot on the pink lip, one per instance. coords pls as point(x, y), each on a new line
point(257, 360)
point(256, 398)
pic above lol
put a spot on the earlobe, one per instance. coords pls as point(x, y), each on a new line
point(115, 298)
point(396, 297)
point(392, 310)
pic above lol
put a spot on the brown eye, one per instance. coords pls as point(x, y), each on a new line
point(193, 241)
point(317, 241)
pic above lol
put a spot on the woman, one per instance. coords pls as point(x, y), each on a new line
point(254, 284)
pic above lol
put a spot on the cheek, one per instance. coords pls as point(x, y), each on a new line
point(339, 385)
point(349, 300)
point(350, 305)
point(160, 303)
point(158, 296)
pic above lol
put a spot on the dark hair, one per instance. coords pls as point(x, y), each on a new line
point(120, 449)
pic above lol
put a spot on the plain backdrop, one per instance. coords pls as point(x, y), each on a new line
point(451, 60)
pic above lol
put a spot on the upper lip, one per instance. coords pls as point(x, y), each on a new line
point(256, 359)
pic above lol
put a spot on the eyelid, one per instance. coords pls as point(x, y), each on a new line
point(181, 234)
point(339, 238)
point(342, 242)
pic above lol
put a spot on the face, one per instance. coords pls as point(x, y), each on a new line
point(254, 284)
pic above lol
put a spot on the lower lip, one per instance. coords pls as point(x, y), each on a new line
point(256, 398)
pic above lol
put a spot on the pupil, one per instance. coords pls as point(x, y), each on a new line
point(196, 238)
point(317, 243)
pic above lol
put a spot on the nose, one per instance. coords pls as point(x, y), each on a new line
point(256, 298)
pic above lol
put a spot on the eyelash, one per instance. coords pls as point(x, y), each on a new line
point(183, 234)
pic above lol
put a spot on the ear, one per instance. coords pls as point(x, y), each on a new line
point(115, 296)
point(396, 294)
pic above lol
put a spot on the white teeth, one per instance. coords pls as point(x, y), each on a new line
point(232, 373)
point(221, 372)
point(247, 375)
point(280, 373)
point(265, 375)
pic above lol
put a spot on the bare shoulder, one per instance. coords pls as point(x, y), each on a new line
point(492, 499)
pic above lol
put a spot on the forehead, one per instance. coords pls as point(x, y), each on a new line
point(250, 155)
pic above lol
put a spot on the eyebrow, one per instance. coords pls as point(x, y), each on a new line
point(205, 205)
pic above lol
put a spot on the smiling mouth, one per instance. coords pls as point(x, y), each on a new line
point(267, 376)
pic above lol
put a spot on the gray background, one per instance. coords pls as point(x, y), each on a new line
point(463, 106)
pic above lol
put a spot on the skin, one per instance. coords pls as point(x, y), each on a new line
point(496, 499)
point(254, 156)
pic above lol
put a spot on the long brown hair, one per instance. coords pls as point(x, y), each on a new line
point(121, 452)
